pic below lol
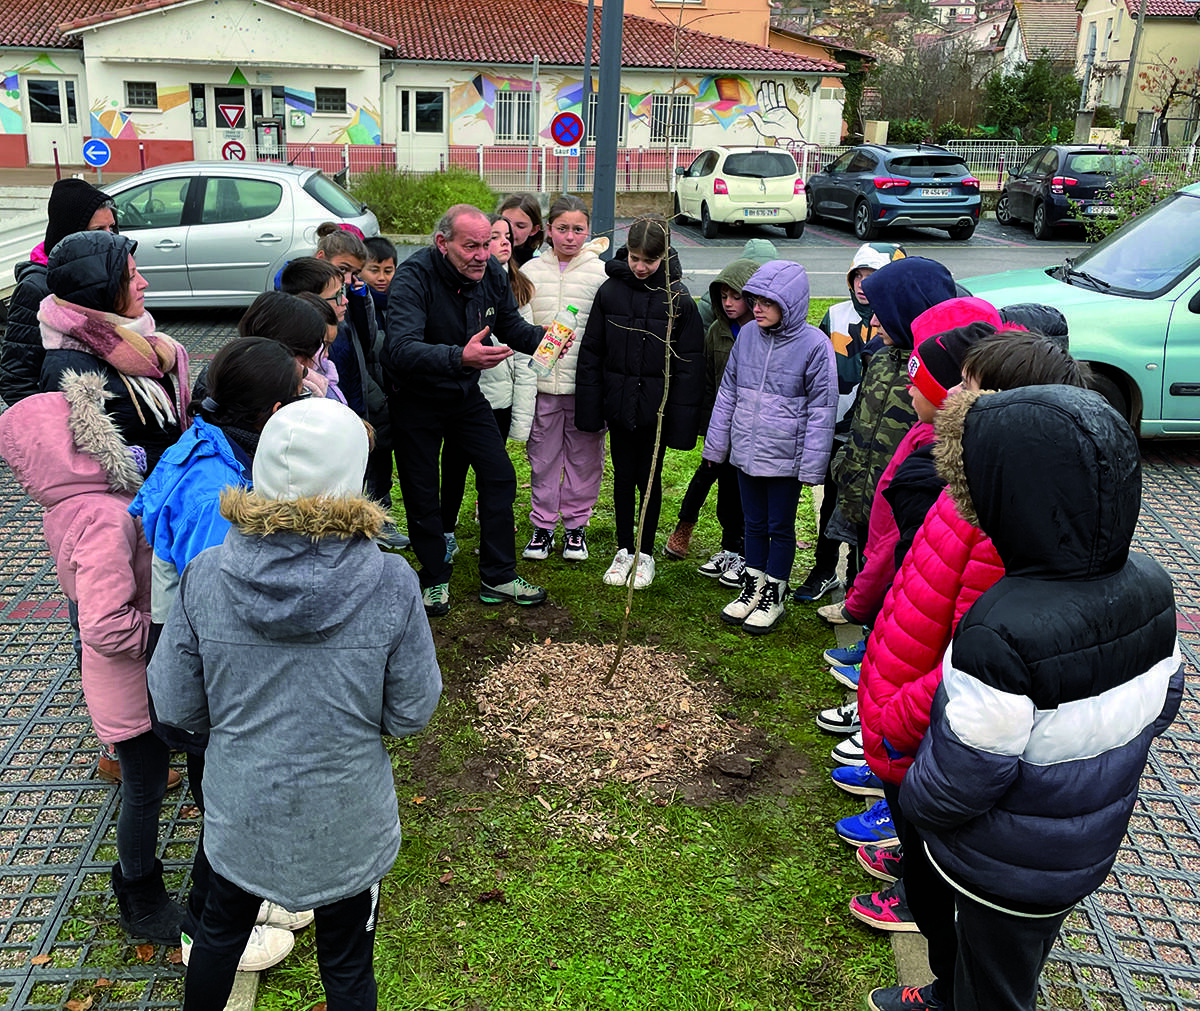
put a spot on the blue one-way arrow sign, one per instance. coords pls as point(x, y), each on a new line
point(96, 153)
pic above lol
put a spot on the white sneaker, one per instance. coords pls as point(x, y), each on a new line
point(645, 572)
point(267, 946)
point(271, 914)
point(618, 572)
point(769, 609)
point(850, 751)
point(719, 562)
point(732, 576)
point(736, 611)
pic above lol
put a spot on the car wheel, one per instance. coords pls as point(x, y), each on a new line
point(708, 227)
point(1113, 392)
point(864, 224)
point(961, 233)
point(680, 217)
point(1003, 214)
point(794, 229)
point(1041, 230)
point(810, 212)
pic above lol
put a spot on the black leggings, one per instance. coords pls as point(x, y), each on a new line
point(631, 452)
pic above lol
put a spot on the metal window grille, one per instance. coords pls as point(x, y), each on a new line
point(330, 100)
point(513, 115)
point(141, 94)
point(671, 119)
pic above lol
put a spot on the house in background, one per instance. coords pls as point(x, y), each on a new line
point(740, 20)
point(166, 80)
point(1107, 27)
point(1038, 28)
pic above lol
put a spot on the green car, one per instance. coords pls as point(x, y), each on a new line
point(1132, 303)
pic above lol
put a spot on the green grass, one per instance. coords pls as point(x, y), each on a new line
point(710, 904)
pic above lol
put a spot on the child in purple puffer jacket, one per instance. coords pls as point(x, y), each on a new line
point(773, 420)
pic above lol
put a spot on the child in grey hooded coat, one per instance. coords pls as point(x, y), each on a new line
point(297, 627)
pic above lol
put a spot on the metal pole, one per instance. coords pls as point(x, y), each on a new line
point(608, 105)
point(533, 97)
point(587, 92)
point(1132, 71)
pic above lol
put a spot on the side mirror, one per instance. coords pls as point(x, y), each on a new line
point(680, 170)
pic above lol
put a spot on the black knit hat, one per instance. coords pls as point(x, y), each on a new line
point(72, 204)
point(936, 364)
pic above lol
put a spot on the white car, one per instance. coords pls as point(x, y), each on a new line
point(756, 185)
point(215, 233)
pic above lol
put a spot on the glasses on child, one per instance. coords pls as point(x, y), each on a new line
point(766, 303)
point(336, 299)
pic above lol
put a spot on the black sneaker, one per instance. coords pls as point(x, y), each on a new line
point(540, 545)
point(905, 998)
point(575, 545)
point(816, 586)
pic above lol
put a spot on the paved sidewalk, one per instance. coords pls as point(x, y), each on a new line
point(1134, 946)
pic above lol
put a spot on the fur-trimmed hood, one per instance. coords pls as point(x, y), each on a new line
point(287, 565)
point(313, 517)
point(1050, 473)
point(63, 444)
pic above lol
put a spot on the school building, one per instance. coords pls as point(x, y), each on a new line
point(401, 83)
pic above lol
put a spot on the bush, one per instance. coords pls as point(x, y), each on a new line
point(952, 131)
point(412, 204)
point(1136, 191)
point(909, 131)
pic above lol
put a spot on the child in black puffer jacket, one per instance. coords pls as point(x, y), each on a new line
point(620, 378)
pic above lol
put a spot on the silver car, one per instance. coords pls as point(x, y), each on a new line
point(216, 233)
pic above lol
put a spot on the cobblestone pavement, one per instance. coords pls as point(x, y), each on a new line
point(1134, 946)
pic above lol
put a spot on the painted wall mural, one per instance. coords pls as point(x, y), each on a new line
point(774, 112)
point(363, 128)
point(11, 120)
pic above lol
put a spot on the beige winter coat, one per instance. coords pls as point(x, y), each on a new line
point(555, 289)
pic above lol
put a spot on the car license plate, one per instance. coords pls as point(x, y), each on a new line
point(935, 191)
point(1101, 209)
point(760, 212)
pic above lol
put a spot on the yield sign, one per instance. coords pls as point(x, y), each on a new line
point(234, 114)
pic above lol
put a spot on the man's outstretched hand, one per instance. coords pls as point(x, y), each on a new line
point(477, 355)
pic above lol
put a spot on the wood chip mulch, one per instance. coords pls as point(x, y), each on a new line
point(653, 725)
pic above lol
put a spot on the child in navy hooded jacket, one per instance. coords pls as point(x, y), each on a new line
point(773, 420)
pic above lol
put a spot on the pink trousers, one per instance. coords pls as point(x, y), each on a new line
point(566, 464)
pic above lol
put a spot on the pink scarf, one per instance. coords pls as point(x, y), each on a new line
point(131, 346)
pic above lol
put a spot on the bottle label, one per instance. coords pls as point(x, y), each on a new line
point(548, 351)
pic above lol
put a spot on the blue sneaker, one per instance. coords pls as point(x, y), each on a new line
point(873, 825)
point(451, 547)
point(851, 657)
point(858, 780)
point(847, 676)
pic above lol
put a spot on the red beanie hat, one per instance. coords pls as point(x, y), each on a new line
point(942, 336)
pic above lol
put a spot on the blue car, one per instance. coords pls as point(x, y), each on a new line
point(876, 186)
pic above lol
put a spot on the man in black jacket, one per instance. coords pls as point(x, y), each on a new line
point(443, 304)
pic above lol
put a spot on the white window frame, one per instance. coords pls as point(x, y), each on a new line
point(134, 98)
point(622, 118)
point(512, 107)
point(678, 112)
point(329, 93)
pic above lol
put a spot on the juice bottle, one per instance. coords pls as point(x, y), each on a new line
point(558, 334)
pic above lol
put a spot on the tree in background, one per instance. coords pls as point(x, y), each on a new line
point(1166, 84)
point(1033, 104)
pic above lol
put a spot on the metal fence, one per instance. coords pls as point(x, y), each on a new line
point(652, 170)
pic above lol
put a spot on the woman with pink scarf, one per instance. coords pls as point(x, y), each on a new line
point(95, 320)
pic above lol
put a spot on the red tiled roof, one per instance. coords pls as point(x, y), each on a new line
point(1164, 8)
point(1050, 26)
point(483, 31)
